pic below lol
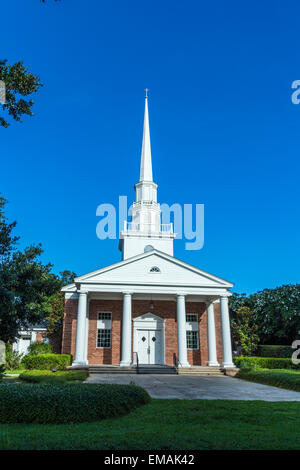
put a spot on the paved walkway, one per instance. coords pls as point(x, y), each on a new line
point(208, 388)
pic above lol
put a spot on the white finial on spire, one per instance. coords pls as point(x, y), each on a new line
point(146, 163)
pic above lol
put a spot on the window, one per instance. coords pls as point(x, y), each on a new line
point(104, 326)
point(104, 316)
point(155, 269)
point(192, 331)
point(192, 340)
point(104, 338)
point(191, 317)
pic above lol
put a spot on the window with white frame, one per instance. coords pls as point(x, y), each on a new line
point(104, 325)
point(192, 331)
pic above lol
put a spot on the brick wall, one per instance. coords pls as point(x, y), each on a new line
point(69, 328)
point(55, 340)
point(163, 309)
point(218, 332)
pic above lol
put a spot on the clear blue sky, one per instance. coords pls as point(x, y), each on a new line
point(224, 131)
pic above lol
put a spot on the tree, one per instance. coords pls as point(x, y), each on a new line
point(19, 83)
point(26, 285)
point(244, 331)
point(57, 302)
point(276, 312)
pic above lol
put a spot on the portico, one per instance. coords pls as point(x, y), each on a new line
point(146, 334)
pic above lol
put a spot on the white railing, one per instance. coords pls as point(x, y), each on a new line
point(147, 227)
point(146, 203)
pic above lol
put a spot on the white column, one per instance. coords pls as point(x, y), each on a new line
point(181, 332)
point(80, 347)
point(211, 336)
point(86, 334)
point(126, 330)
point(226, 336)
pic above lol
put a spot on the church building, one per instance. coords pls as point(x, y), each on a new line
point(150, 308)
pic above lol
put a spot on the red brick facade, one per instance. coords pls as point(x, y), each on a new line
point(163, 309)
point(55, 340)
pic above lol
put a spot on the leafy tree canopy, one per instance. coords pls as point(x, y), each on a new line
point(57, 303)
point(244, 331)
point(19, 83)
point(26, 284)
point(276, 312)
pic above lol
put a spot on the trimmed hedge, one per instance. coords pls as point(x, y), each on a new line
point(70, 403)
point(47, 361)
point(265, 362)
point(288, 379)
point(59, 377)
point(274, 351)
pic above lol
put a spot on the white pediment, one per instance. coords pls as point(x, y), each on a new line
point(138, 270)
point(148, 317)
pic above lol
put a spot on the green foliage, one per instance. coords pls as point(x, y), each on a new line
point(244, 330)
point(47, 361)
point(2, 370)
point(169, 424)
point(19, 82)
point(57, 305)
point(26, 285)
point(12, 358)
point(265, 362)
point(289, 379)
point(39, 348)
point(59, 377)
point(74, 403)
point(275, 312)
point(275, 351)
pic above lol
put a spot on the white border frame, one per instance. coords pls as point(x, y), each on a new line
point(104, 347)
point(144, 323)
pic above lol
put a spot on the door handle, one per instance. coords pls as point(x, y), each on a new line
point(148, 350)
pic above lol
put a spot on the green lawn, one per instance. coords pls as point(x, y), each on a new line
point(283, 378)
point(171, 424)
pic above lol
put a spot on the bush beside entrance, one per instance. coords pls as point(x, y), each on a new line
point(70, 403)
point(47, 361)
point(264, 363)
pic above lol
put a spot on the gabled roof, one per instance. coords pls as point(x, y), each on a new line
point(136, 270)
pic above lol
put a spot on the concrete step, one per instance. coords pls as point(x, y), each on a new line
point(201, 371)
point(157, 370)
point(143, 369)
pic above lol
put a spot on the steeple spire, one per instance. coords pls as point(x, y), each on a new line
point(146, 163)
point(145, 227)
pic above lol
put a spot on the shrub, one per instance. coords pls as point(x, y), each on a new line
point(245, 364)
point(2, 370)
point(47, 376)
point(70, 403)
point(47, 361)
point(39, 348)
point(12, 358)
point(264, 362)
point(274, 351)
point(289, 379)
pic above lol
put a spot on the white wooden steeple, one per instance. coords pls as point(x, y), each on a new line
point(145, 231)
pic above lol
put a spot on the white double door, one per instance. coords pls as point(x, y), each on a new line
point(150, 346)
